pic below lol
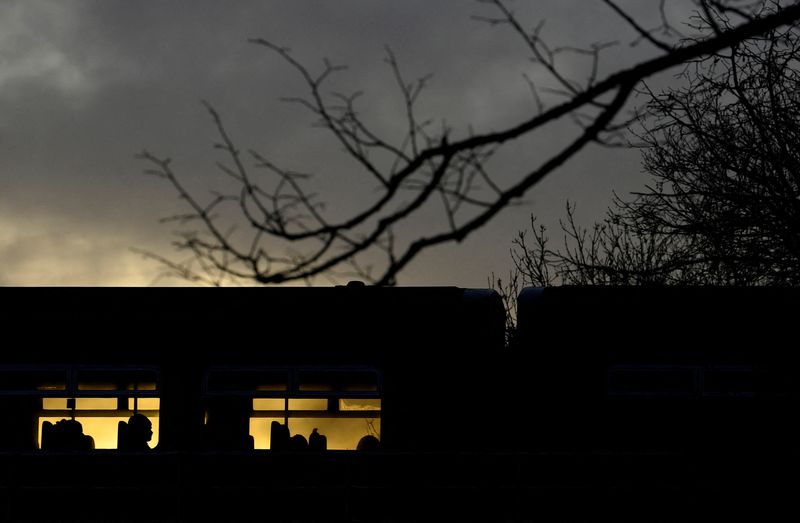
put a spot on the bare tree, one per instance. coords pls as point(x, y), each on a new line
point(283, 233)
point(724, 205)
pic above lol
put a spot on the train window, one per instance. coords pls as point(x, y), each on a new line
point(359, 404)
point(343, 405)
point(99, 420)
point(342, 381)
point(80, 409)
point(308, 404)
point(117, 379)
point(729, 381)
point(243, 380)
point(343, 428)
point(80, 403)
point(652, 381)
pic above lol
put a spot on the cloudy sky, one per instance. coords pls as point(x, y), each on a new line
point(87, 84)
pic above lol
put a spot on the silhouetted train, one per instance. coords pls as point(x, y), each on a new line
point(207, 366)
point(652, 368)
point(213, 399)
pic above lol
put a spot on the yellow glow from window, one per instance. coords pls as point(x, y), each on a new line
point(315, 387)
point(359, 404)
point(342, 433)
point(146, 404)
point(51, 386)
point(102, 429)
point(54, 403)
point(268, 403)
point(96, 403)
point(294, 404)
point(272, 387)
point(80, 404)
point(261, 436)
point(308, 404)
point(99, 404)
point(142, 386)
point(97, 385)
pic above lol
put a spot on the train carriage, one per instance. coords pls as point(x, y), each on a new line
point(352, 361)
point(697, 369)
point(251, 404)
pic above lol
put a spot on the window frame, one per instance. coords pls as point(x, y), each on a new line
point(71, 385)
point(72, 391)
point(293, 391)
point(698, 388)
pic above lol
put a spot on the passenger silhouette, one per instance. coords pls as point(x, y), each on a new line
point(65, 435)
point(317, 441)
point(298, 443)
point(134, 435)
point(228, 426)
point(368, 443)
point(279, 436)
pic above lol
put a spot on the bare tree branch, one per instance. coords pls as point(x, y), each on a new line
point(724, 207)
point(273, 228)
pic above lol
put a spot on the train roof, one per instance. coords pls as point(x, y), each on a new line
point(230, 320)
point(588, 294)
point(672, 322)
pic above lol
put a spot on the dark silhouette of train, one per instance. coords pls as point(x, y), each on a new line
point(665, 368)
point(364, 403)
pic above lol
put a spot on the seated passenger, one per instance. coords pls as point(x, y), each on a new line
point(228, 425)
point(368, 443)
point(279, 436)
point(298, 443)
point(134, 435)
point(65, 435)
point(317, 441)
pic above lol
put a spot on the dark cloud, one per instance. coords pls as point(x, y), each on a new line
point(84, 85)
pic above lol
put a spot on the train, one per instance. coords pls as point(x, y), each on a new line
point(341, 356)
point(691, 369)
point(218, 403)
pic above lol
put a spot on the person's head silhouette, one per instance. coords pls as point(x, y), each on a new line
point(140, 431)
point(368, 443)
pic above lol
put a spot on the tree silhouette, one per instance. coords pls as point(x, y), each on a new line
point(724, 205)
point(281, 230)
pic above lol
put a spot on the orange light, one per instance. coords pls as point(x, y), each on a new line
point(102, 427)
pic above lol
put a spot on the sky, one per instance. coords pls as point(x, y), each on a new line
point(87, 84)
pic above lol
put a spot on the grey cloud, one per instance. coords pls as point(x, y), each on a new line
point(85, 84)
point(50, 251)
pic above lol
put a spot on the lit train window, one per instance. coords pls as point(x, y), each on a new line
point(341, 381)
point(335, 409)
point(247, 380)
point(116, 379)
point(73, 409)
